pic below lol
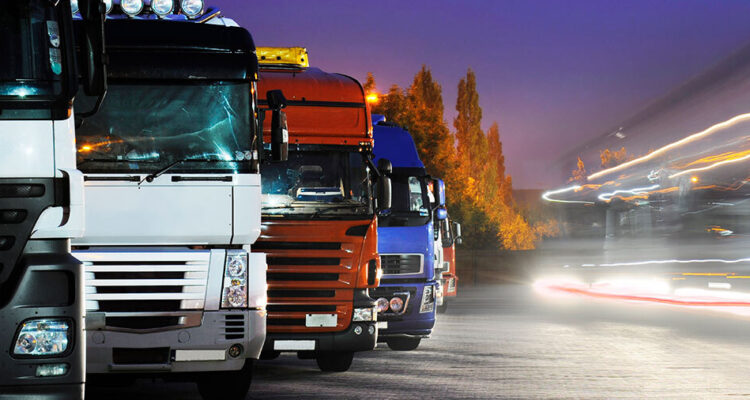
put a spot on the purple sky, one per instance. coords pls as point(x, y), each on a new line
point(551, 73)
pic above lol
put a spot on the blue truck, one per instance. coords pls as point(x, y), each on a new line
point(406, 297)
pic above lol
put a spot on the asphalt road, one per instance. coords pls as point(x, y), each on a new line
point(507, 341)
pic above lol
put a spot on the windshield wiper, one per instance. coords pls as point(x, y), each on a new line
point(87, 160)
point(338, 207)
point(150, 177)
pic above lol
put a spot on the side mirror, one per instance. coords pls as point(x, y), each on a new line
point(93, 13)
point(385, 167)
point(441, 214)
point(439, 186)
point(384, 190)
point(279, 128)
point(457, 230)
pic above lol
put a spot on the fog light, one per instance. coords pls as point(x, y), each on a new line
point(235, 351)
point(191, 8)
point(397, 304)
point(51, 370)
point(371, 329)
point(382, 304)
point(357, 330)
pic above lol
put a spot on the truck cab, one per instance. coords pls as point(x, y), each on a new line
point(41, 198)
point(319, 216)
point(450, 235)
point(172, 182)
point(406, 297)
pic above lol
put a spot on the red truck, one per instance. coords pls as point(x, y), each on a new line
point(450, 233)
point(319, 226)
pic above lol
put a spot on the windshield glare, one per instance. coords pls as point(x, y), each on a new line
point(30, 46)
point(145, 127)
point(318, 183)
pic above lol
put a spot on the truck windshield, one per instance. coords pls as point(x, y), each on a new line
point(410, 205)
point(30, 47)
point(317, 184)
point(198, 127)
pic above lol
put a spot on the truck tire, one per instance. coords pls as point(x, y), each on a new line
point(226, 385)
point(334, 361)
point(403, 343)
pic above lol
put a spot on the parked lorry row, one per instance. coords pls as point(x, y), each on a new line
point(238, 204)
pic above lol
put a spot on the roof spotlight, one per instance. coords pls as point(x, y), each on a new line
point(74, 6)
point(108, 5)
point(131, 7)
point(191, 8)
point(162, 8)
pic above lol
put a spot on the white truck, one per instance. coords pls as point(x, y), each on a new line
point(41, 195)
point(172, 183)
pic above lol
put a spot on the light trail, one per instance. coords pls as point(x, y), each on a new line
point(545, 195)
point(721, 125)
point(712, 166)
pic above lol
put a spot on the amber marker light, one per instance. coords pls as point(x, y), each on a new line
point(373, 98)
point(85, 149)
point(694, 179)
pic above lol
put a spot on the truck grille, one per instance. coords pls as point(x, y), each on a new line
point(306, 277)
point(400, 264)
point(146, 290)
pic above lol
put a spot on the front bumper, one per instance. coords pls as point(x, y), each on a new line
point(43, 392)
point(195, 349)
point(411, 322)
point(49, 286)
point(345, 341)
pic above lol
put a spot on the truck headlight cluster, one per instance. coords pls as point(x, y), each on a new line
point(428, 299)
point(43, 337)
point(234, 290)
point(365, 314)
point(397, 304)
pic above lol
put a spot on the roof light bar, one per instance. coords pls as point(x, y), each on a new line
point(296, 56)
point(191, 8)
point(162, 8)
point(131, 7)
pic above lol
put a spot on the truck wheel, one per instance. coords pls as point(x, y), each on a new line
point(443, 308)
point(403, 344)
point(226, 385)
point(334, 361)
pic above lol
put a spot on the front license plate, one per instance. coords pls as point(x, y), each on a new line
point(289, 345)
point(382, 324)
point(321, 320)
point(200, 355)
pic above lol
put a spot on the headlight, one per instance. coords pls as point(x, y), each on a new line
point(108, 5)
point(382, 304)
point(74, 6)
point(365, 314)
point(162, 7)
point(397, 304)
point(234, 290)
point(42, 337)
point(131, 7)
point(191, 8)
point(428, 299)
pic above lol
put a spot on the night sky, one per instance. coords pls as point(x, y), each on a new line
point(551, 73)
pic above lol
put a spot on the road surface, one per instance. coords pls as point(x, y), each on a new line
point(507, 341)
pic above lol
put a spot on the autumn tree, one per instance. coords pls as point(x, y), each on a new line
point(495, 150)
point(613, 158)
point(578, 174)
point(369, 85)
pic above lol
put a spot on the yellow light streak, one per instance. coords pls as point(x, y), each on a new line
point(721, 125)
